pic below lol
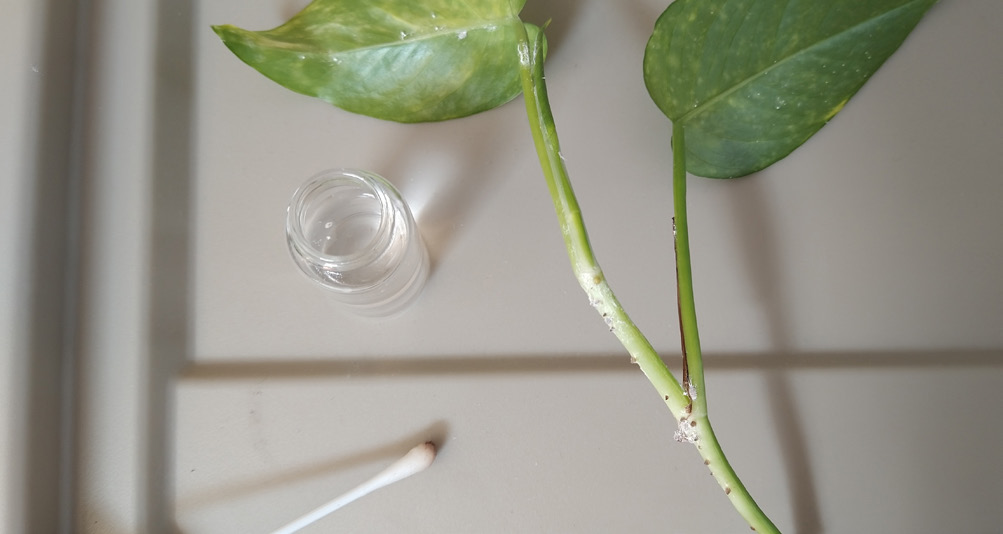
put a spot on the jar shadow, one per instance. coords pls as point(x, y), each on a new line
point(446, 171)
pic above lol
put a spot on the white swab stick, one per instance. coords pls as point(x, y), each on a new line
point(415, 461)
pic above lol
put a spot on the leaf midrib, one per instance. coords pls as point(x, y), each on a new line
point(720, 96)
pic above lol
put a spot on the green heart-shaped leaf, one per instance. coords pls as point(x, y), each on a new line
point(751, 80)
point(400, 60)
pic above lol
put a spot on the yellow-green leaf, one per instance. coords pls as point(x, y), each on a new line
point(398, 60)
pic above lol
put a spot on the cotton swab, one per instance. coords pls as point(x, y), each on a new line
point(415, 461)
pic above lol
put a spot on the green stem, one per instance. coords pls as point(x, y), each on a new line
point(583, 261)
point(693, 377)
point(691, 413)
point(693, 381)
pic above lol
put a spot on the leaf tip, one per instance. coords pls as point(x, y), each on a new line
point(223, 31)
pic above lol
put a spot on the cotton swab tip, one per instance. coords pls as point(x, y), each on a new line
point(415, 461)
point(423, 455)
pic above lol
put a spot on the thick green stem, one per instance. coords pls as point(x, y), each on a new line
point(699, 428)
point(583, 261)
point(688, 407)
point(713, 455)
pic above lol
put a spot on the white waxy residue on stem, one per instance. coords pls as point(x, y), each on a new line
point(686, 433)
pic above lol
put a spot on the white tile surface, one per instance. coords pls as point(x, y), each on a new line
point(849, 298)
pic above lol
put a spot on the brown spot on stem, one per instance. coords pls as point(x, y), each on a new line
point(597, 279)
point(727, 491)
point(693, 423)
point(666, 397)
point(706, 462)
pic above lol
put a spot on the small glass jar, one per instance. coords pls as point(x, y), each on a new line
point(350, 231)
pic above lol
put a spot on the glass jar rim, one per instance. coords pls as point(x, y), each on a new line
point(381, 190)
